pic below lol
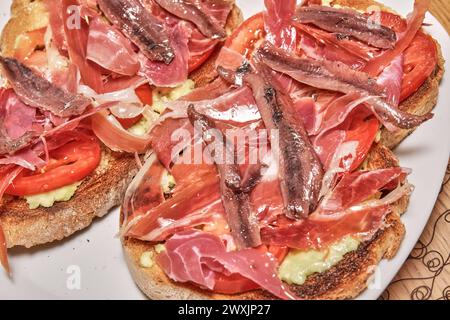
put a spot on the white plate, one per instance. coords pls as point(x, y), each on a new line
point(50, 272)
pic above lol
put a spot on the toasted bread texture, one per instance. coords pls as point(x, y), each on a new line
point(97, 194)
point(102, 190)
point(345, 280)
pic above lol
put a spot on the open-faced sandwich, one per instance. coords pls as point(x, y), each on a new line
point(82, 83)
point(277, 179)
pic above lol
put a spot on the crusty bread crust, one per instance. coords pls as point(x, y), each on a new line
point(98, 193)
point(345, 280)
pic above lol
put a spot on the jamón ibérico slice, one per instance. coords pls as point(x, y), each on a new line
point(317, 232)
point(319, 44)
point(212, 100)
point(77, 39)
point(56, 23)
point(195, 201)
point(414, 23)
point(278, 24)
point(358, 130)
point(16, 119)
point(109, 48)
point(195, 256)
point(161, 74)
point(140, 26)
point(200, 47)
point(391, 79)
point(358, 186)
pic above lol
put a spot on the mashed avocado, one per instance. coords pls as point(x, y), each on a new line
point(141, 128)
point(167, 182)
point(160, 97)
point(49, 198)
point(298, 265)
point(163, 95)
point(160, 248)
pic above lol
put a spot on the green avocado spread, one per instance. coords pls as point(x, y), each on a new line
point(49, 198)
point(298, 265)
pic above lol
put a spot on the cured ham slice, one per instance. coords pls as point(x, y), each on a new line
point(199, 45)
point(56, 23)
point(107, 47)
point(278, 23)
point(345, 147)
point(37, 92)
point(318, 44)
point(214, 101)
point(192, 10)
point(391, 79)
point(358, 186)
point(414, 23)
point(195, 201)
point(161, 74)
point(29, 159)
point(339, 77)
point(108, 129)
point(338, 111)
point(76, 39)
point(195, 256)
point(16, 121)
point(144, 29)
point(361, 220)
point(347, 22)
point(318, 233)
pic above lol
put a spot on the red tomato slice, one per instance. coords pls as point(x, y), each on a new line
point(69, 164)
point(364, 131)
point(420, 60)
point(246, 38)
point(145, 94)
point(196, 61)
point(279, 252)
point(235, 283)
point(129, 122)
point(420, 57)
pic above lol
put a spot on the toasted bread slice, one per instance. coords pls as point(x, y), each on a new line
point(102, 190)
point(345, 280)
point(98, 193)
point(351, 275)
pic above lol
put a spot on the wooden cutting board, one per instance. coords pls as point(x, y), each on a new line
point(426, 273)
